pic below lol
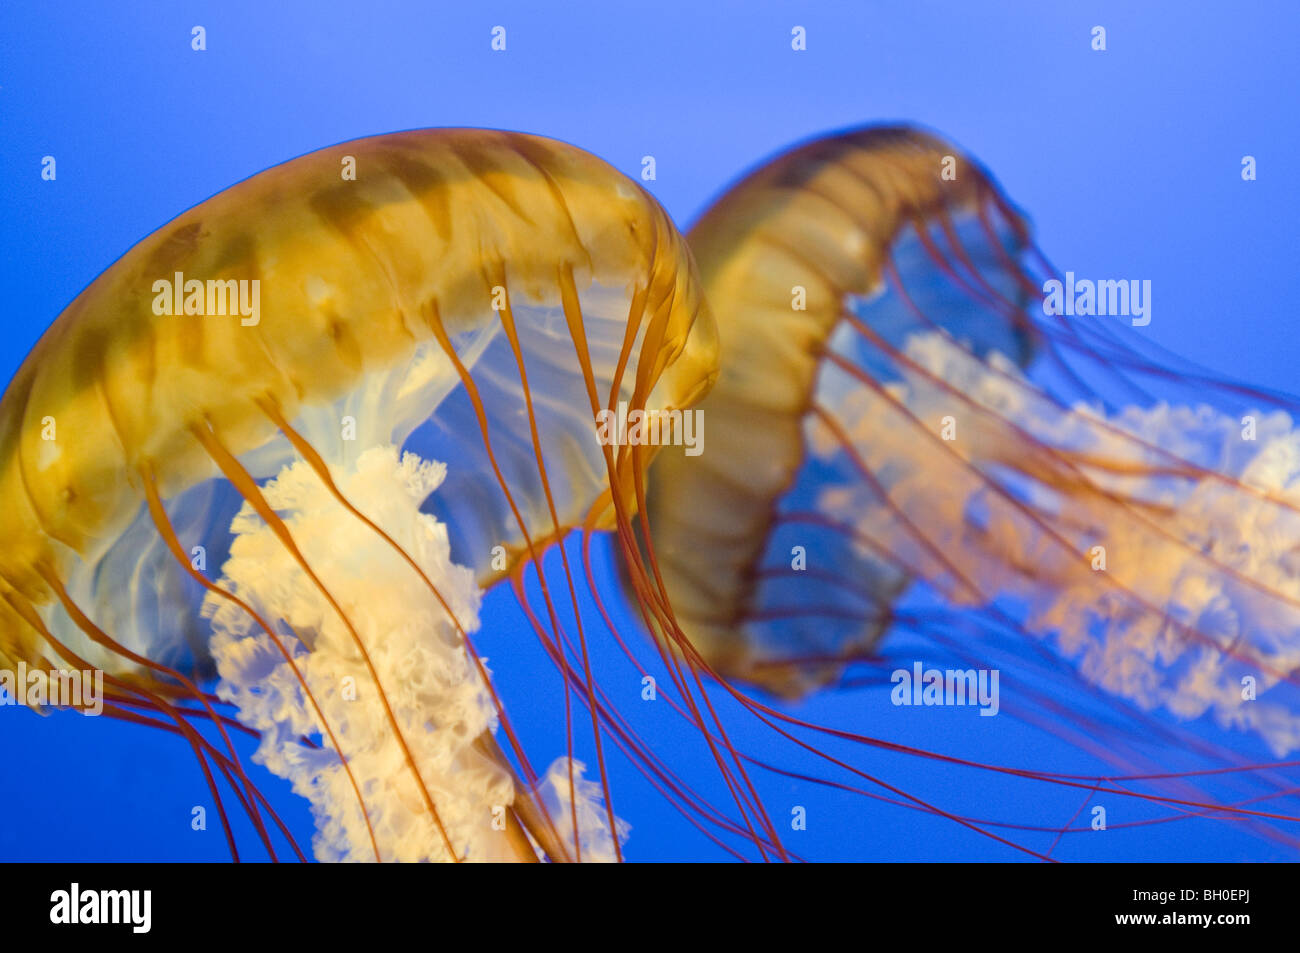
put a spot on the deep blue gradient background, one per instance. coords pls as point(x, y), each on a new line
point(1127, 161)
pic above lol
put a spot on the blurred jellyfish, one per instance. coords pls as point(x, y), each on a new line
point(920, 427)
point(209, 465)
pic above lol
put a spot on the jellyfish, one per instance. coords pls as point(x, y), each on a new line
point(297, 439)
point(923, 434)
point(288, 440)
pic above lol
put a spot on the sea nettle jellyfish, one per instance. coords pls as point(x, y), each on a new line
point(920, 437)
point(207, 469)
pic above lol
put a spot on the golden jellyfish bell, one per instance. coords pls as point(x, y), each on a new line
point(482, 294)
point(838, 224)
